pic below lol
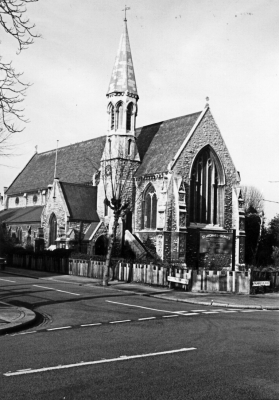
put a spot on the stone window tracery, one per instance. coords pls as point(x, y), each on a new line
point(205, 192)
point(149, 209)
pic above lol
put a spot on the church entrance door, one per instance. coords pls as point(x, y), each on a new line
point(101, 246)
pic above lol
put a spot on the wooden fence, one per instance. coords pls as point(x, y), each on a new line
point(219, 281)
point(207, 281)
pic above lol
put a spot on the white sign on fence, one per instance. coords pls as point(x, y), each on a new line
point(261, 283)
point(178, 280)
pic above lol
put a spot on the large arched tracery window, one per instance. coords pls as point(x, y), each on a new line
point(149, 208)
point(206, 193)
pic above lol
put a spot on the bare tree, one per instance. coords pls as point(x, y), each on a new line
point(117, 178)
point(12, 89)
point(253, 199)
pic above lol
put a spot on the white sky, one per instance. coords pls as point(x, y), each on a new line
point(183, 51)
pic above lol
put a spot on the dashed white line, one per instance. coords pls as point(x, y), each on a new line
point(56, 329)
point(170, 316)
point(145, 319)
point(119, 322)
point(57, 290)
point(190, 313)
point(98, 323)
point(82, 364)
point(198, 310)
point(210, 312)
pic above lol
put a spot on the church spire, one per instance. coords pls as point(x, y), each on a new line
point(123, 74)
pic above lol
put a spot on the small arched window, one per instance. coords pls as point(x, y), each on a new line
point(109, 146)
point(119, 115)
point(17, 201)
point(35, 199)
point(129, 116)
point(205, 192)
point(149, 209)
point(112, 117)
point(129, 149)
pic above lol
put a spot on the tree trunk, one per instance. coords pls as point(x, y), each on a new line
point(258, 241)
point(110, 248)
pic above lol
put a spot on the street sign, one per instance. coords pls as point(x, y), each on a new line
point(261, 283)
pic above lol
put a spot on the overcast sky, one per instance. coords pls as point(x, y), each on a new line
point(183, 51)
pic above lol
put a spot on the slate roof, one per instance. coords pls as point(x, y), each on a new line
point(75, 164)
point(158, 143)
point(81, 201)
point(90, 230)
point(123, 74)
point(22, 215)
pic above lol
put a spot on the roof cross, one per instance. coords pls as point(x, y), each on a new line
point(125, 9)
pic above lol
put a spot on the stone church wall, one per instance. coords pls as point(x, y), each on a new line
point(207, 133)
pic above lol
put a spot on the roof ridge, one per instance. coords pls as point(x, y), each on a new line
point(68, 145)
point(167, 120)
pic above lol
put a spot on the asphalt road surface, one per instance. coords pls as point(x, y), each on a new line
point(95, 343)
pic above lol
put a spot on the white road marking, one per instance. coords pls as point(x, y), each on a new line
point(98, 323)
point(26, 333)
point(56, 329)
point(118, 322)
point(229, 311)
point(82, 363)
point(7, 280)
point(198, 310)
point(190, 313)
point(170, 316)
point(146, 308)
point(211, 312)
point(145, 319)
point(56, 290)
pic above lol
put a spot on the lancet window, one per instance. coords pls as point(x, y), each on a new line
point(129, 117)
point(149, 208)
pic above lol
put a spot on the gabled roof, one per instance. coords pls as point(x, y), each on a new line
point(81, 201)
point(22, 215)
point(90, 230)
point(123, 74)
point(159, 143)
point(75, 164)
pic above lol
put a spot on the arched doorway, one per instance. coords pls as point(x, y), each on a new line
point(52, 229)
point(101, 246)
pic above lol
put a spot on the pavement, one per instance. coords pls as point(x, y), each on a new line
point(14, 318)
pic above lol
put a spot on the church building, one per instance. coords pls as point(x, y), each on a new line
point(182, 197)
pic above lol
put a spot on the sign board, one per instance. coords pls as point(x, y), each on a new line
point(261, 283)
point(216, 242)
point(178, 280)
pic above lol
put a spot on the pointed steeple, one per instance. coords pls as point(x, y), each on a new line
point(123, 74)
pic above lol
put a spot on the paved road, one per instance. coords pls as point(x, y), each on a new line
point(97, 343)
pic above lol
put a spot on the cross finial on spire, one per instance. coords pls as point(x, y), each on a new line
point(125, 9)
